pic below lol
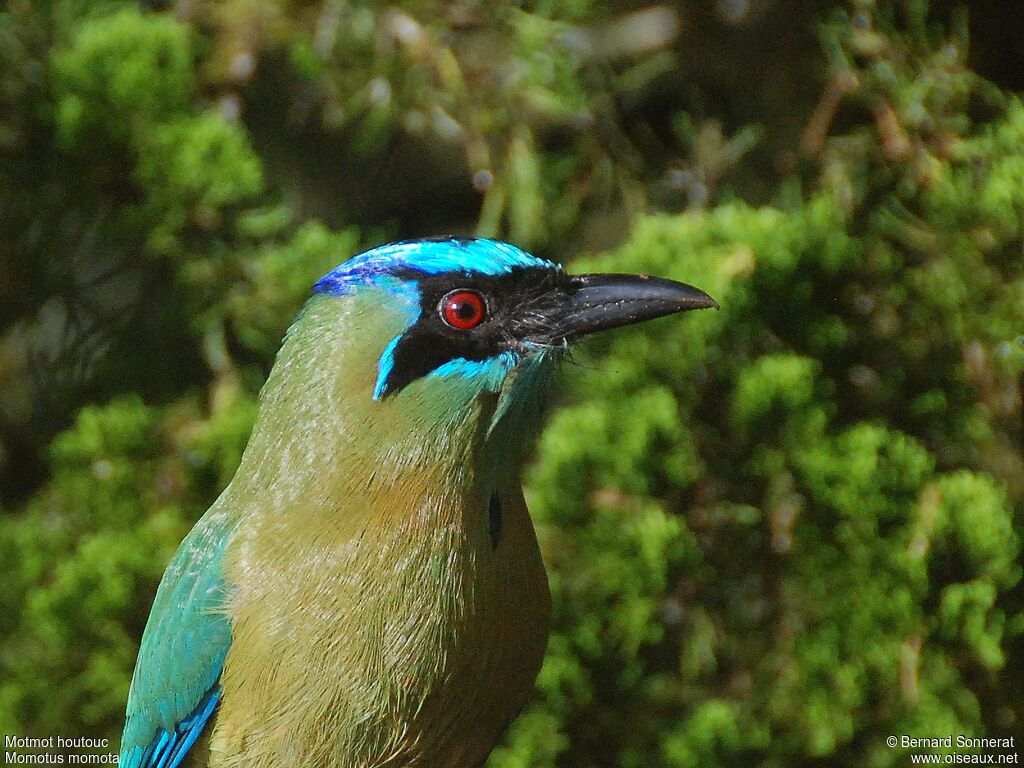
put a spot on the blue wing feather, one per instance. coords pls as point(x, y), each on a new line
point(167, 750)
point(175, 690)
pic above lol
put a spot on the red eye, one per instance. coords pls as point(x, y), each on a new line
point(463, 309)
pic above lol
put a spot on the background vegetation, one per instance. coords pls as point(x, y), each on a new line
point(776, 534)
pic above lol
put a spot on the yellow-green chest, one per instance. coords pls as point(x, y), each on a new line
point(387, 599)
point(407, 645)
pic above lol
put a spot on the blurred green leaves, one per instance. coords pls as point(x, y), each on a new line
point(871, 582)
point(776, 533)
point(121, 74)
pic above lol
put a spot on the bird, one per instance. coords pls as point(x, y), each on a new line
point(368, 589)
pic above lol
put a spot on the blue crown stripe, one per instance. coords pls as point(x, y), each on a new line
point(428, 257)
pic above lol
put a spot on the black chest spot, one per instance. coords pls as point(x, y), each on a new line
point(494, 518)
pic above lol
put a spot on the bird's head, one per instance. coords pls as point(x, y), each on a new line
point(475, 316)
point(480, 312)
point(424, 348)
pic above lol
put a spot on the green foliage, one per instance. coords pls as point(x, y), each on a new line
point(874, 569)
point(776, 533)
point(79, 549)
point(121, 74)
point(195, 165)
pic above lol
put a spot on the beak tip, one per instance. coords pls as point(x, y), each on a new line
point(692, 298)
point(697, 299)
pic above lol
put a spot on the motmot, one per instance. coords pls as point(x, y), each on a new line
point(368, 590)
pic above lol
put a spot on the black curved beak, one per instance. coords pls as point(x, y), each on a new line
point(599, 302)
